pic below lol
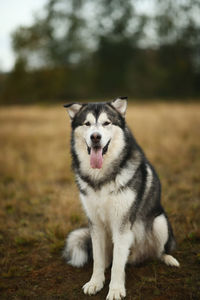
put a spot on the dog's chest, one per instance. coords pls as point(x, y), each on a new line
point(107, 205)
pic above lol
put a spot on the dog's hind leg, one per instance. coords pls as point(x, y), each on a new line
point(164, 240)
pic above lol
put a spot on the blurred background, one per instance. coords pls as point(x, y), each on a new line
point(85, 49)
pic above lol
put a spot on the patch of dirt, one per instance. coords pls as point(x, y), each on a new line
point(37, 274)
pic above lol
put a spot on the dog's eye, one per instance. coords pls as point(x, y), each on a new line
point(106, 123)
point(87, 124)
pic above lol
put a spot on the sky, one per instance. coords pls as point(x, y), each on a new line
point(14, 13)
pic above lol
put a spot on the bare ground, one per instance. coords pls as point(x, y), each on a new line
point(39, 202)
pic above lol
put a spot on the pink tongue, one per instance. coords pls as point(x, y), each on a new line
point(96, 158)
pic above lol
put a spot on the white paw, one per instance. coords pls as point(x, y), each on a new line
point(116, 293)
point(93, 286)
point(170, 260)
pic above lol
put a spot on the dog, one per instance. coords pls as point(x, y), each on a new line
point(120, 193)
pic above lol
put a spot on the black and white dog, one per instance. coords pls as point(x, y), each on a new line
point(120, 193)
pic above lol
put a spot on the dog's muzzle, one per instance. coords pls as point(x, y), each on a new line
point(105, 148)
point(96, 153)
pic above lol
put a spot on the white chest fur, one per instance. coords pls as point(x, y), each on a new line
point(108, 205)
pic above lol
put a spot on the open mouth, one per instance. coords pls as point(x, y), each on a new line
point(96, 155)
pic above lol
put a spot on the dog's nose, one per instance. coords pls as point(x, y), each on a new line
point(95, 137)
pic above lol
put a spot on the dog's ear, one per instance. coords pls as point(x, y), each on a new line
point(120, 104)
point(73, 109)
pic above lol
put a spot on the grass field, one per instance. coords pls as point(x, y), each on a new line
point(39, 202)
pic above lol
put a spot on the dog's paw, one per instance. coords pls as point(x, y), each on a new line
point(116, 293)
point(93, 286)
point(170, 260)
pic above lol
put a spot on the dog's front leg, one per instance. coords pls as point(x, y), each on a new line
point(122, 244)
point(96, 282)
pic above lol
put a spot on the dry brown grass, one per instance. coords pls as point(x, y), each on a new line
point(39, 201)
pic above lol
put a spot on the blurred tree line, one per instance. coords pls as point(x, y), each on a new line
point(78, 49)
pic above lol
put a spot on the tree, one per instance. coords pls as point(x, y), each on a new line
point(85, 48)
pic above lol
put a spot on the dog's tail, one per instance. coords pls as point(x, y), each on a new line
point(78, 247)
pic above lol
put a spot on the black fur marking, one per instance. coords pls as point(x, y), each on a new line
point(89, 248)
point(138, 184)
point(170, 245)
point(82, 191)
point(128, 184)
point(75, 161)
point(80, 117)
point(123, 97)
point(105, 149)
point(88, 149)
point(68, 105)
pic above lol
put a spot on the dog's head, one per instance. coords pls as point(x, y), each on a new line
point(96, 127)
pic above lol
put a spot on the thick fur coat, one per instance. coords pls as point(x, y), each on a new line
point(120, 193)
